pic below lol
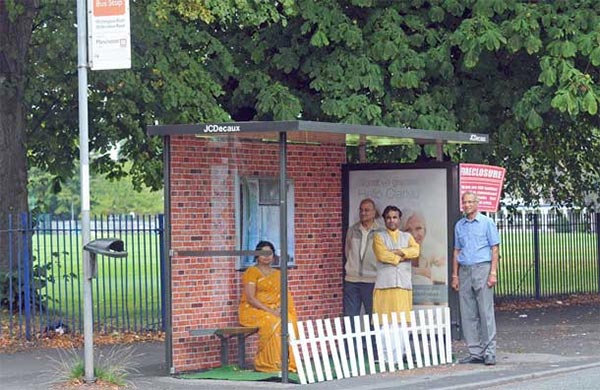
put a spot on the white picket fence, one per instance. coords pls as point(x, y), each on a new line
point(318, 345)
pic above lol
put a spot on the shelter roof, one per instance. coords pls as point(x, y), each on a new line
point(318, 132)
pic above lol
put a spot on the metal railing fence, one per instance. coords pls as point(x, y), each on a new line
point(546, 253)
point(41, 270)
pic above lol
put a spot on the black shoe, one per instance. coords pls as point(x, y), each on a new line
point(489, 360)
point(471, 360)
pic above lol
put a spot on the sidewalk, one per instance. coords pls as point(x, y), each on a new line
point(531, 343)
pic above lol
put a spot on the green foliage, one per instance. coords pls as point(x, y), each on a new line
point(120, 197)
point(49, 195)
point(14, 9)
point(12, 287)
point(524, 72)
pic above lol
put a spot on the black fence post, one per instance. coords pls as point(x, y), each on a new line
point(26, 275)
point(536, 255)
point(597, 228)
point(163, 294)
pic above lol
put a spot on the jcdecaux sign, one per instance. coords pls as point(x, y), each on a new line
point(221, 129)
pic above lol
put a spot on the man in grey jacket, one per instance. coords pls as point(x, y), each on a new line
point(361, 268)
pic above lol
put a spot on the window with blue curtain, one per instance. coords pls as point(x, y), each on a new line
point(259, 210)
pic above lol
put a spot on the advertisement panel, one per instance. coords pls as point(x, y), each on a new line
point(422, 195)
point(484, 180)
point(109, 38)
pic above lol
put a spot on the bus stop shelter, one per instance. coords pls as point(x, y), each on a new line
point(229, 185)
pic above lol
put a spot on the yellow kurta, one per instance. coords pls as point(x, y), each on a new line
point(268, 291)
point(390, 300)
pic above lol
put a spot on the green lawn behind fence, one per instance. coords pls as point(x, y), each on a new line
point(126, 291)
point(568, 263)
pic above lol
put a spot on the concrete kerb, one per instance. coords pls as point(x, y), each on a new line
point(467, 376)
point(512, 368)
point(520, 377)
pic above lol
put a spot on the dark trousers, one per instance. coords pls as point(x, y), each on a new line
point(355, 295)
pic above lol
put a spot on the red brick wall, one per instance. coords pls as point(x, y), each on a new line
point(206, 291)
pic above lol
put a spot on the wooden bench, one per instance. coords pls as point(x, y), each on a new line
point(224, 334)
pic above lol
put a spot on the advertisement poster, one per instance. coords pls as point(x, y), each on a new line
point(484, 180)
point(421, 194)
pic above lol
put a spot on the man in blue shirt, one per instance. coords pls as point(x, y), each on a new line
point(474, 266)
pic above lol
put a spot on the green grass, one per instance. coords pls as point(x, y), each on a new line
point(110, 367)
point(124, 287)
point(568, 263)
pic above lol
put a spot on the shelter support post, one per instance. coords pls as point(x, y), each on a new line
point(439, 151)
point(283, 223)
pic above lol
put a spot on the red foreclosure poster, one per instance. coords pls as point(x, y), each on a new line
point(484, 180)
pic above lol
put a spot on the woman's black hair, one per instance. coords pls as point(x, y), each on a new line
point(263, 244)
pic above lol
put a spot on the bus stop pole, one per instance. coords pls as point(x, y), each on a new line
point(84, 171)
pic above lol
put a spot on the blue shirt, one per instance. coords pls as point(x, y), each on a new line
point(475, 239)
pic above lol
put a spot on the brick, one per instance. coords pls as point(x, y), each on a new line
point(206, 291)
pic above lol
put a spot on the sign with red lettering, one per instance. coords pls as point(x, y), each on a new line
point(484, 180)
point(109, 39)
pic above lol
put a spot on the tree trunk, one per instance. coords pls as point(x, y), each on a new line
point(16, 21)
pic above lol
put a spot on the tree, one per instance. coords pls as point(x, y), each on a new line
point(16, 19)
point(177, 77)
point(119, 197)
point(526, 72)
point(48, 195)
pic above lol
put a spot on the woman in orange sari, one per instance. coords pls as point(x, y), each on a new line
point(260, 307)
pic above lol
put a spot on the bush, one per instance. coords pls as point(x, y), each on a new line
point(13, 287)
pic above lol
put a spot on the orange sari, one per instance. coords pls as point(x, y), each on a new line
point(268, 291)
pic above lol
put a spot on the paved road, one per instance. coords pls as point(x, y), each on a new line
point(582, 379)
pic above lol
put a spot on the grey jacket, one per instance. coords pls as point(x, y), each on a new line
point(360, 268)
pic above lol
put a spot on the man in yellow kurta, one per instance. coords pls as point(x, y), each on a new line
point(393, 249)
